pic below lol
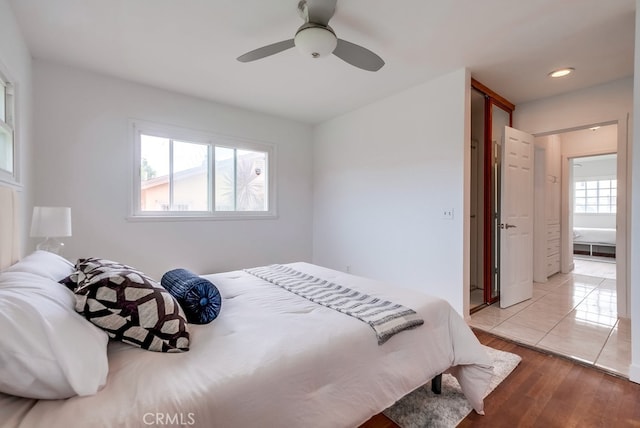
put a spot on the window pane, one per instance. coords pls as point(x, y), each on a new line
point(154, 173)
point(6, 150)
point(250, 181)
point(592, 193)
point(592, 184)
point(604, 183)
point(604, 192)
point(604, 209)
point(614, 184)
point(580, 193)
point(225, 179)
point(581, 185)
point(580, 209)
point(581, 201)
point(592, 209)
point(190, 177)
point(592, 201)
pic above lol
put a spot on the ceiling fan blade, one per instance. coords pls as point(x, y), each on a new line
point(266, 51)
point(358, 56)
point(320, 11)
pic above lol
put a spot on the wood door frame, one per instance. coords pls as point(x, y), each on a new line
point(491, 98)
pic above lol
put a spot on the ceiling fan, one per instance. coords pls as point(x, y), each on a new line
point(316, 39)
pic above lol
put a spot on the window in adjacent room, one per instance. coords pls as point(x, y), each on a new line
point(182, 173)
point(7, 131)
point(596, 196)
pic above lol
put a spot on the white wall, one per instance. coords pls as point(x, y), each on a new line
point(85, 161)
point(602, 221)
point(599, 104)
point(383, 175)
point(553, 170)
point(634, 371)
point(16, 60)
point(595, 167)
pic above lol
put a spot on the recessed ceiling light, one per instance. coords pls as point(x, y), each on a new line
point(562, 72)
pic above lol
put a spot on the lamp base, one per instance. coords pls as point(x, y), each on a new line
point(51, 245)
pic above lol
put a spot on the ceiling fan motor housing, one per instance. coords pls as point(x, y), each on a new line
point(316, 40)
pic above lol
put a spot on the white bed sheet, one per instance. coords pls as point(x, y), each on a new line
point(274, 359)
point(594, 235)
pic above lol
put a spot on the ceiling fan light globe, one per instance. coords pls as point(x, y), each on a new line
point(316, 42)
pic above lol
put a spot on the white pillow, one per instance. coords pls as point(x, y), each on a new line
point(47, 350)
point(45, 264)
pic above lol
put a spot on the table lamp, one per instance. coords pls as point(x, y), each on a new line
point(51, 223)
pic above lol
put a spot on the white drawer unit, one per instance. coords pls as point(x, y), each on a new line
point(553, 248)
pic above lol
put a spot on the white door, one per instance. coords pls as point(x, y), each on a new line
point(516, 217)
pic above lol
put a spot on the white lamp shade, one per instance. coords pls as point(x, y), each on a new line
point(51, 222)
point(316, 42)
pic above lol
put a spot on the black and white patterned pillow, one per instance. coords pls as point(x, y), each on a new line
point(129, 306)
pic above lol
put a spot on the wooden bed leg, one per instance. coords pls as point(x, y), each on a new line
point(436, 384)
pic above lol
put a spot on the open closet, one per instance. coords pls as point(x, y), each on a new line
point(490, 113)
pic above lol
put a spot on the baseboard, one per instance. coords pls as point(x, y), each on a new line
point(634, 373)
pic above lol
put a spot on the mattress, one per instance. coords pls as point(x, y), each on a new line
point(591, 235)
point(274, 359)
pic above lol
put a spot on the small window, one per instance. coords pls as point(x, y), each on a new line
point(595, 197)
point(182, 173)
point(241, 179)
point(7, 130)
point(174, 175)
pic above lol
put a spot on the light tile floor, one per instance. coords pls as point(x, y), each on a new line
point(477, 298)
point(571, 314)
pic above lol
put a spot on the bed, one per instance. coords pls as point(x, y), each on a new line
point(591, 241)
point(272, 358)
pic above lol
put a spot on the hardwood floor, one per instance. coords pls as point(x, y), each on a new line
point(550, 391)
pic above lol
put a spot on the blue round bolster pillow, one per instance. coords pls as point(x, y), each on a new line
point(199, 298)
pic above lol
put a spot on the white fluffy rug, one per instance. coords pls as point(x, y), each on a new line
point(422, 408)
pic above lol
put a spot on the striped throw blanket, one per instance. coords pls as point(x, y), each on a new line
point(386, 318)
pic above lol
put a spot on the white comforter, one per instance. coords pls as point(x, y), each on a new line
point(274, 359)
point(593, 235)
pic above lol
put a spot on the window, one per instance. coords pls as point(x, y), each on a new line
point(595, 197)
point(181, 173)
point(241, 178)
point(7, 126)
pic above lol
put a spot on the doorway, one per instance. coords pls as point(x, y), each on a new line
point(490, 114)
point(593, 200)
point(581, 198)
point(565, 160)
point(595, 187)
point(576, 312)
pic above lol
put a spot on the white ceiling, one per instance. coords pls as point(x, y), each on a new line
point(190, 46)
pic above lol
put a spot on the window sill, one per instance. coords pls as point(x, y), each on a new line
point(233, 216)
point(12, 183)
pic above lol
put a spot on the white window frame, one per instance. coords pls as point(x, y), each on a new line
point(139, 128)
point(598, 188)
point(9, 126)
